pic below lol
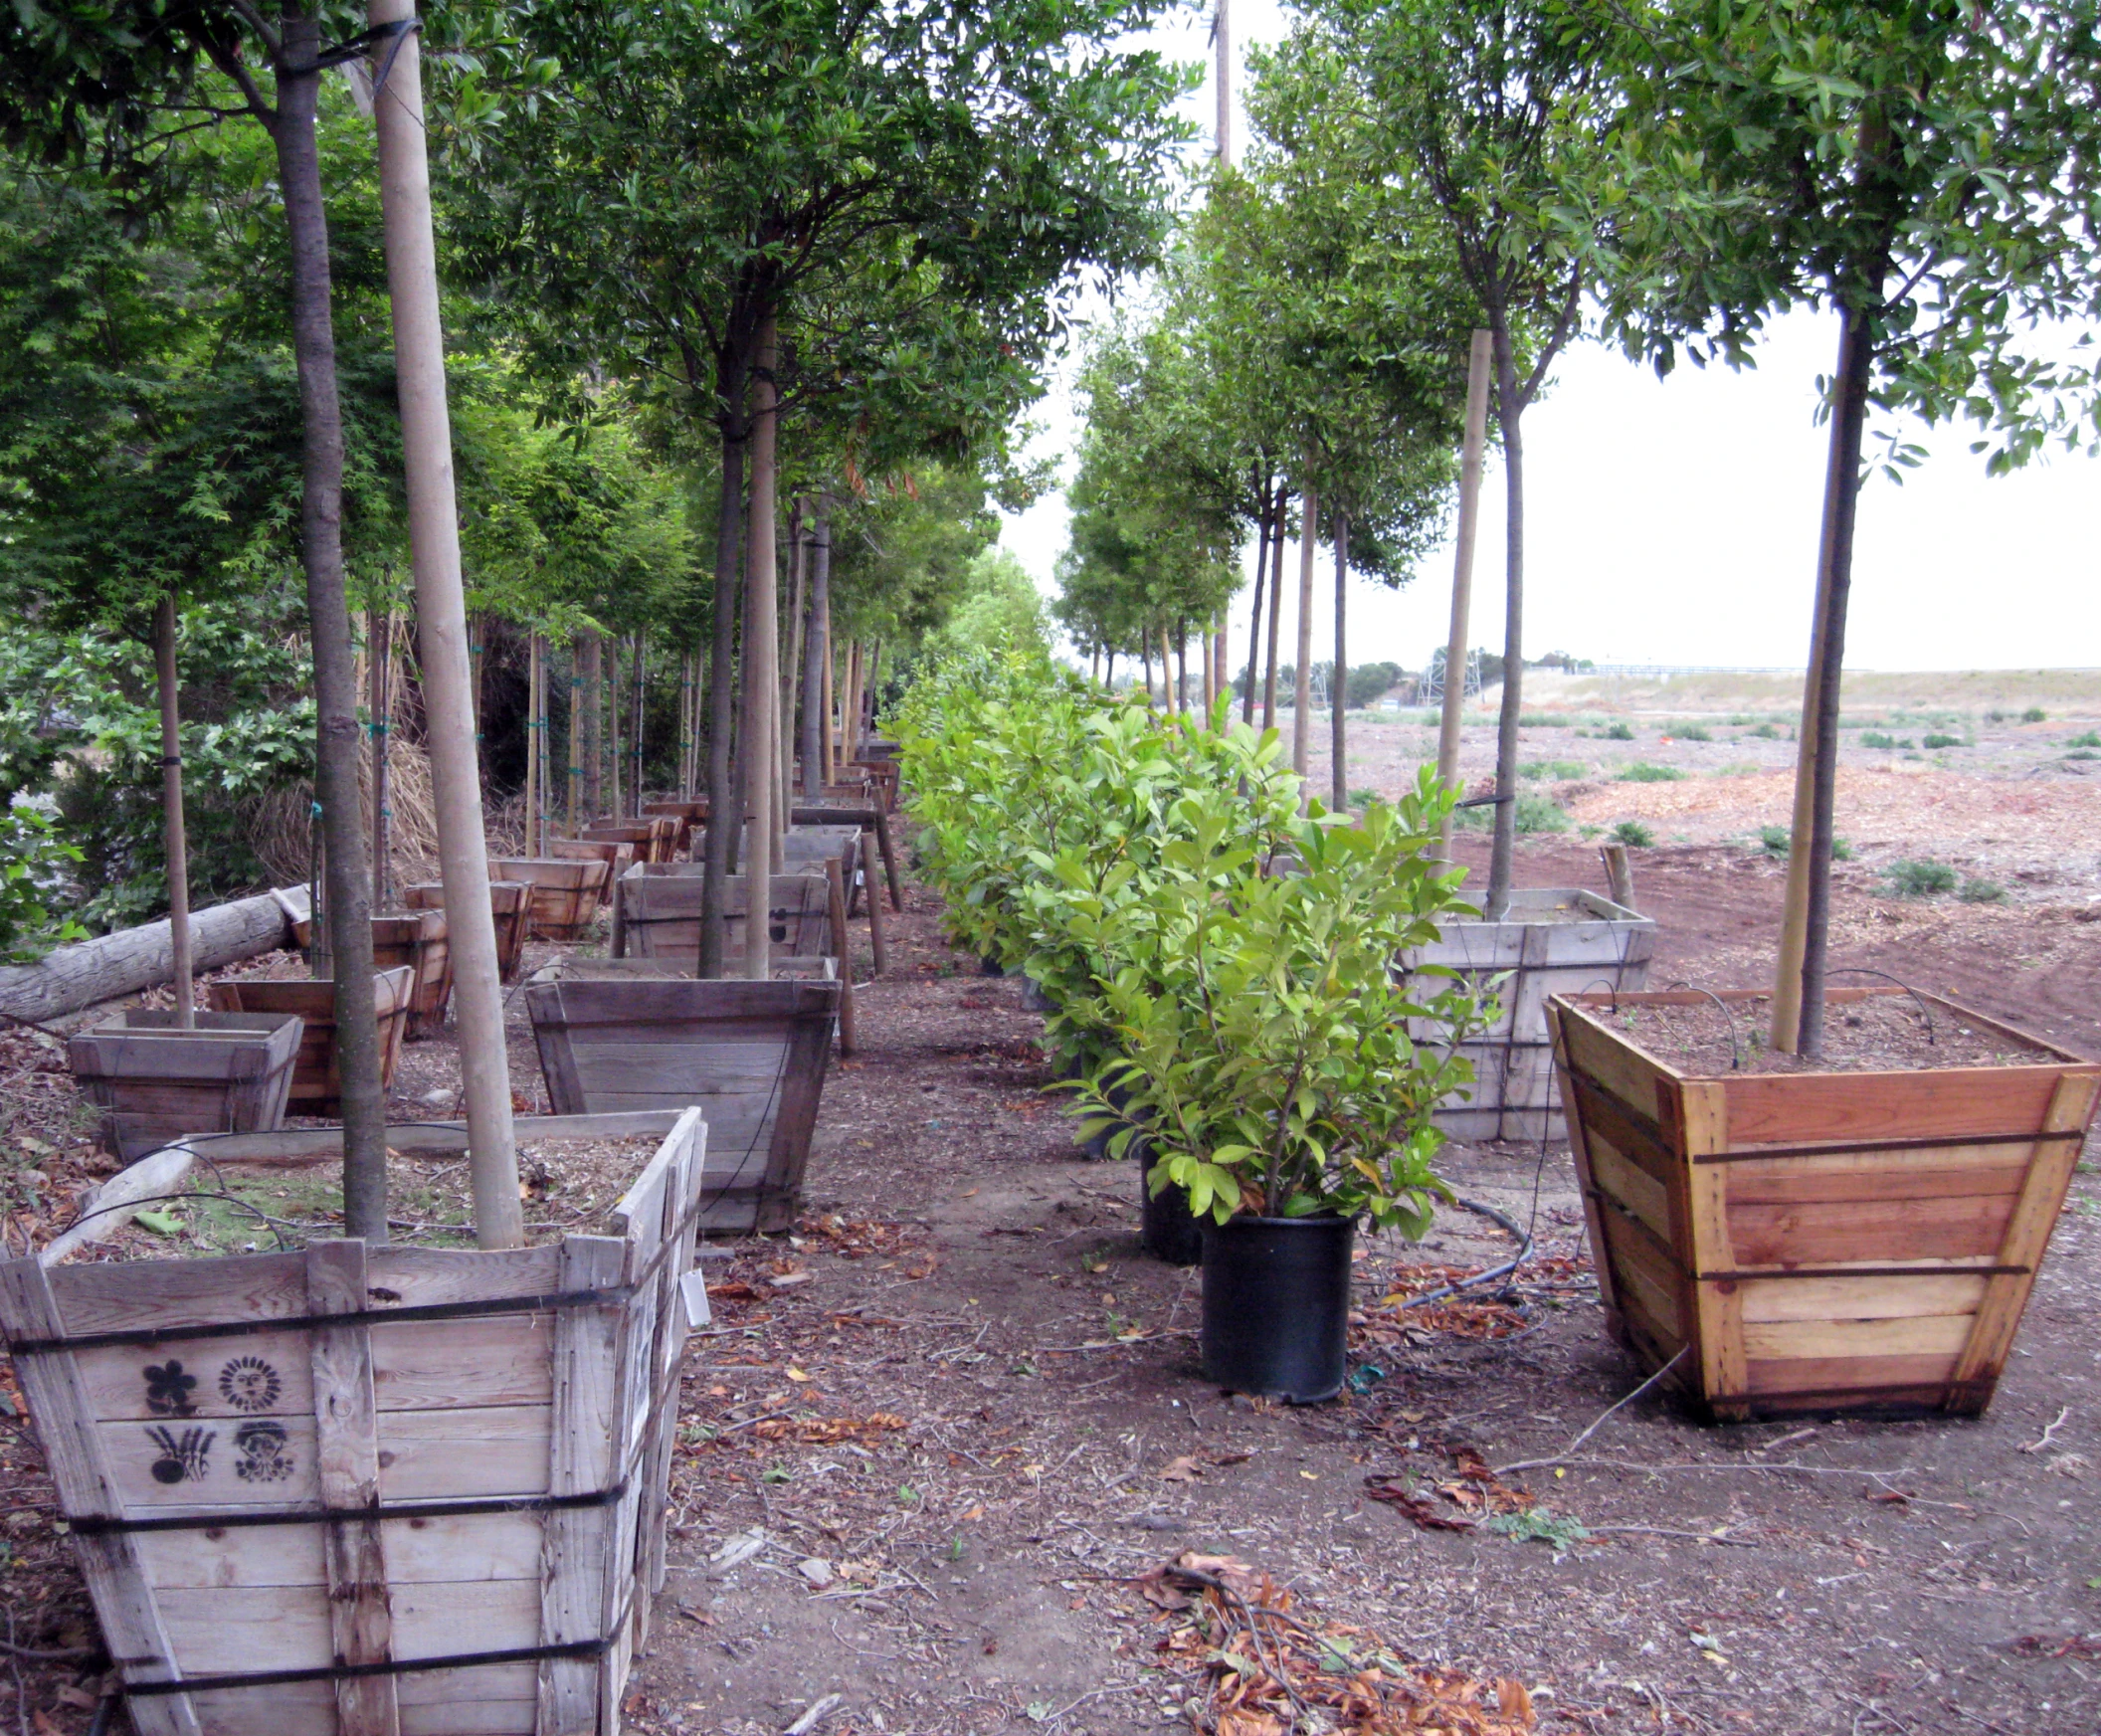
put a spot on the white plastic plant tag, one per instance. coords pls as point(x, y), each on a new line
point(693, 1287)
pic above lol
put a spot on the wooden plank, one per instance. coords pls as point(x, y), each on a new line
point(140, 1295)
point(2028, 1235)
point(877, 947)
point(1943, 1106)
point(124, 1604)
point(1775, 1300)
point(435, 1551)
point(1717, 1304)
point(457, 1703)
point(1941, 1335)
point(1587, 1182)
point(1882, 1378)
point(586, 1383)
point(1643, 1270)
point(416, 1277)
point(1616, 1064)
point(1894, 1231)
point(229, 1629)
point(1929, 1173)
point(346, 1475)
point(1634, 1188)
point(319, 1144)
point(841, 945)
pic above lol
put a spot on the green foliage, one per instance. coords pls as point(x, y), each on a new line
point(2034, 715)
point(1919, 879)
point(1372, 682)
point(2087, 738)
point(1000, 609)
point(1764, 733)
point(1534, 813)
point(1561, 770)
point(1559, 1531)
point(1261, 1038)
point(1933, 741)
point(1776, 840)
point(1691, 733)
point(1877, 739)
point(33, 868)
point(1544, 721)
point(1617, 733)
point(1981, 891)
point(1642, 771)
point(1634, 835)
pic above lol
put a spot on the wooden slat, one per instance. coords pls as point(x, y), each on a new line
point(416, 1277)
point(1616, 1063)
point(1894, 1231)
point(1642, 1269)
point(1944, 1104)
point(586, 1393)
point(1718, 1304)
point(319, 1144)
point(1884, 1379)
point(346, 1475)
point(452, 1703)
point(1636, 1189)
point(1774, 1300)
point(1941, 1335)
point(481, 1546)
point(136, 1297)
point(235, 1628)
point(2027, 1235)
point(1930, 1173)
point(1581, 1150)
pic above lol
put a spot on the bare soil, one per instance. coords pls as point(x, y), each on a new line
point(934, 1470)
point(1878, 1033)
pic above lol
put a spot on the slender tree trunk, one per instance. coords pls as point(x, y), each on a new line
point(1145, 658)
point(1169, 699)
point(1206, 647)
point(641, 686)
point(1276, 607)
point(379, 636)
point(1181, 669)
point(830, 679)
point(1799, 990)
point(348, 868)
point(1108, 669)
point(761, 703)
point(535, 833)
point(1302, 694)
point(173, 833)
point(1480, 361)
point(1220, 660)
point(573, 770)
point(587, 750)
point(791, 665)
point(723, 818)
point(1255, 620)
point(1339, 682)
point(1509, 412)
point(816, 650)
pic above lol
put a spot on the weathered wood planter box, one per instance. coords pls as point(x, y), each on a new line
point(659, 913)
point(655, 838)
point(751, 1054)
point(419, 941)
point(316, 1085)
point(1819, 1241)
point(565, 892)
point(1553, 941)
point(153, 1081)
point(507, 900)
point(361, 1491)
point(686, 814)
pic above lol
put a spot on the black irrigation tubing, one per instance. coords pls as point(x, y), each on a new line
point(1918, 1000)
point(1509, 1267)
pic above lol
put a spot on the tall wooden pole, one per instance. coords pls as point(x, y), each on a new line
point(830, 673)
point(441, 614)
point(534, 845)
point(1477, 364)
point(761, 701)
point(1302, 694)
point(1276, 608)
point(379, 645)
point(1339, 678)
point(172, 829)
point(573, 768)
point(816, 653)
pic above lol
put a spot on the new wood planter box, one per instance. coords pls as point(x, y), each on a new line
point(659, 913)
point(508, 902)
point(751, 1054)
point(417, 939)
point(362, 1490)
point(153, 1081)
point(1819, 1241)
point(1553, 941)
point(317, 1085)
point(565, 892)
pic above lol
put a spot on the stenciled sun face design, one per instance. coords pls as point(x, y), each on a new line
point(248, 1383)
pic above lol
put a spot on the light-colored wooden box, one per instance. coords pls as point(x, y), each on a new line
point(1552, 941)
point(565, 894)
point(153, 1081)
point(507, 900)
point(280, 1464)
point(752, 1054)
point(657, 914)
point(417, 939)
point(317, 1085)
point(1819, 1241)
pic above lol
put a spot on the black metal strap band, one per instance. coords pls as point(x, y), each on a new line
point(1843, 1148)
point(265, 1679)
point(97, 1526)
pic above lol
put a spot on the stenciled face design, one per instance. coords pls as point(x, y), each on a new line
point(262, 1452)
point(248, 1383)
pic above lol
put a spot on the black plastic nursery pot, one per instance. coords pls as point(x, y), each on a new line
point(1277, 1306)
point(1168, 1229)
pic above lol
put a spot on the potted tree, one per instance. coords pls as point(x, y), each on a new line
point(1282, 1075)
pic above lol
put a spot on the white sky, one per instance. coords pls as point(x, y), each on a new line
point(1675, 521)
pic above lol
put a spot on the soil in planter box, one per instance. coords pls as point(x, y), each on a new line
point(1882, 1034)
point(568, 1186)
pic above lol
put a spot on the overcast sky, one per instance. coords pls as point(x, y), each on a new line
point(1675, 521)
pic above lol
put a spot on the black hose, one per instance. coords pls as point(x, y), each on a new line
point(1524, 1252)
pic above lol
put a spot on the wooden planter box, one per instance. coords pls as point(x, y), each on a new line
point(316, 1085)
point(565, 892)
point(371, 1489)
point(418, 940)
point(688, 813)
point(154, 1082)
point(1823, 1241)
point(653, 839)
point(659, 913)
point(508, 902)
point(751, 1054)
point(1553, 941)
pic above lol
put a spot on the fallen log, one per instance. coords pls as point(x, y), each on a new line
point(73, 977)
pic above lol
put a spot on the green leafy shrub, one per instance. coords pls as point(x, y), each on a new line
point(1981, 891)
point(1261, 1035)
point(1878, 738)
point(1919, 879)
point(2090, 738)
point(1372, 681)
point(2034, 715)
point(1543, 720)
point(1764, 733)
point(1363, 797)
point(34, 866)
point(1534, 813)
point(1691, 733)
point(1933, 741)
point(1642, 772)
point(1776, 839)
point(1634, 835)
point(1617, 733)
point(1560, 770)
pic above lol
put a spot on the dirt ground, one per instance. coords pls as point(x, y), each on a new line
point(934, 1438)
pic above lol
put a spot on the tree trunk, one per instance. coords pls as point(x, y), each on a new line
point(1206, 647)
point(1181, 668)
point(1798, 998)
point(1276, 607)
point(441, 619)
point(535, 831)
point(791, 663)
point(1303, 694)
point(1221, 659)
point(1339, 682)
point(1510, 411)
point(379, 637)
point(573, 774)
point(1109, 667)
point(816, 650)
point(1254, 621)
point(172, 832)
point(831, 674)
point(588, 747)
point(722, 819)
point(1169, 699)
point(1479, 362)
point(348, 870)
point(70, 978)
point(639, 698)
point(1145, 660)
point(761, 705)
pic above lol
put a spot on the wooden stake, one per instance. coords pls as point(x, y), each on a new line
point(638, 696)
point(817, 654)
point(1339, 676)
point(441, 614)
point(849, 1028)
point(1276, 610)
point(574, 770)
point(535, 844)
point(761, 707)
point(1302, 696)
point(1477, 365)
point(1619, 873)
point(172, 829)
